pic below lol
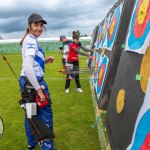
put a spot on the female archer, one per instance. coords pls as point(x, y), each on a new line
point(73, 59)
point(33, 73)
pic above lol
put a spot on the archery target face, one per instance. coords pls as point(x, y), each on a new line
point(113, 27)
point(102, 69)
point(96, 70)
point(104, 32)
point(139, 31)
point(99, 38)
point(94, 66)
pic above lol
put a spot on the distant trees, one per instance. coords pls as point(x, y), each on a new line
point(85, 35)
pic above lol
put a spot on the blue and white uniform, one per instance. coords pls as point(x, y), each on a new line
point(31, 48)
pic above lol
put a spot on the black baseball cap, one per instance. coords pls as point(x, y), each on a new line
point(35, 18)
point(61, 37)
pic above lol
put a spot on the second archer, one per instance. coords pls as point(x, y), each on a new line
point(73, 60)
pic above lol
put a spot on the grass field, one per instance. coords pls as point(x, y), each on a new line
point(73, 113)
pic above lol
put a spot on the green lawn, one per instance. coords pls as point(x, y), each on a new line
point(73, 113)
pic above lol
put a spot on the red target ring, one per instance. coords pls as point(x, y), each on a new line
point(101, 74)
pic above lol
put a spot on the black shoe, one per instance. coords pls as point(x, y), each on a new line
point(33, 147)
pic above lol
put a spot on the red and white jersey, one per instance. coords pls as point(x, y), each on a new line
point(73, 56)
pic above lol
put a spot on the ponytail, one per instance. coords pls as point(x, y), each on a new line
point(27, 32)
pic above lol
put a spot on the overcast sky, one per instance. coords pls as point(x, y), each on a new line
point(62, 16)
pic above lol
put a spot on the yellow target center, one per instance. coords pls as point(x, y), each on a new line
point(142, 11)
point(104, 32)
point(100, 74)
point(145, 70)
point(120, 101)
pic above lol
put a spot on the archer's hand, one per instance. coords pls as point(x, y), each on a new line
point(90, 57)
point(41, 94)
point(49, 59)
